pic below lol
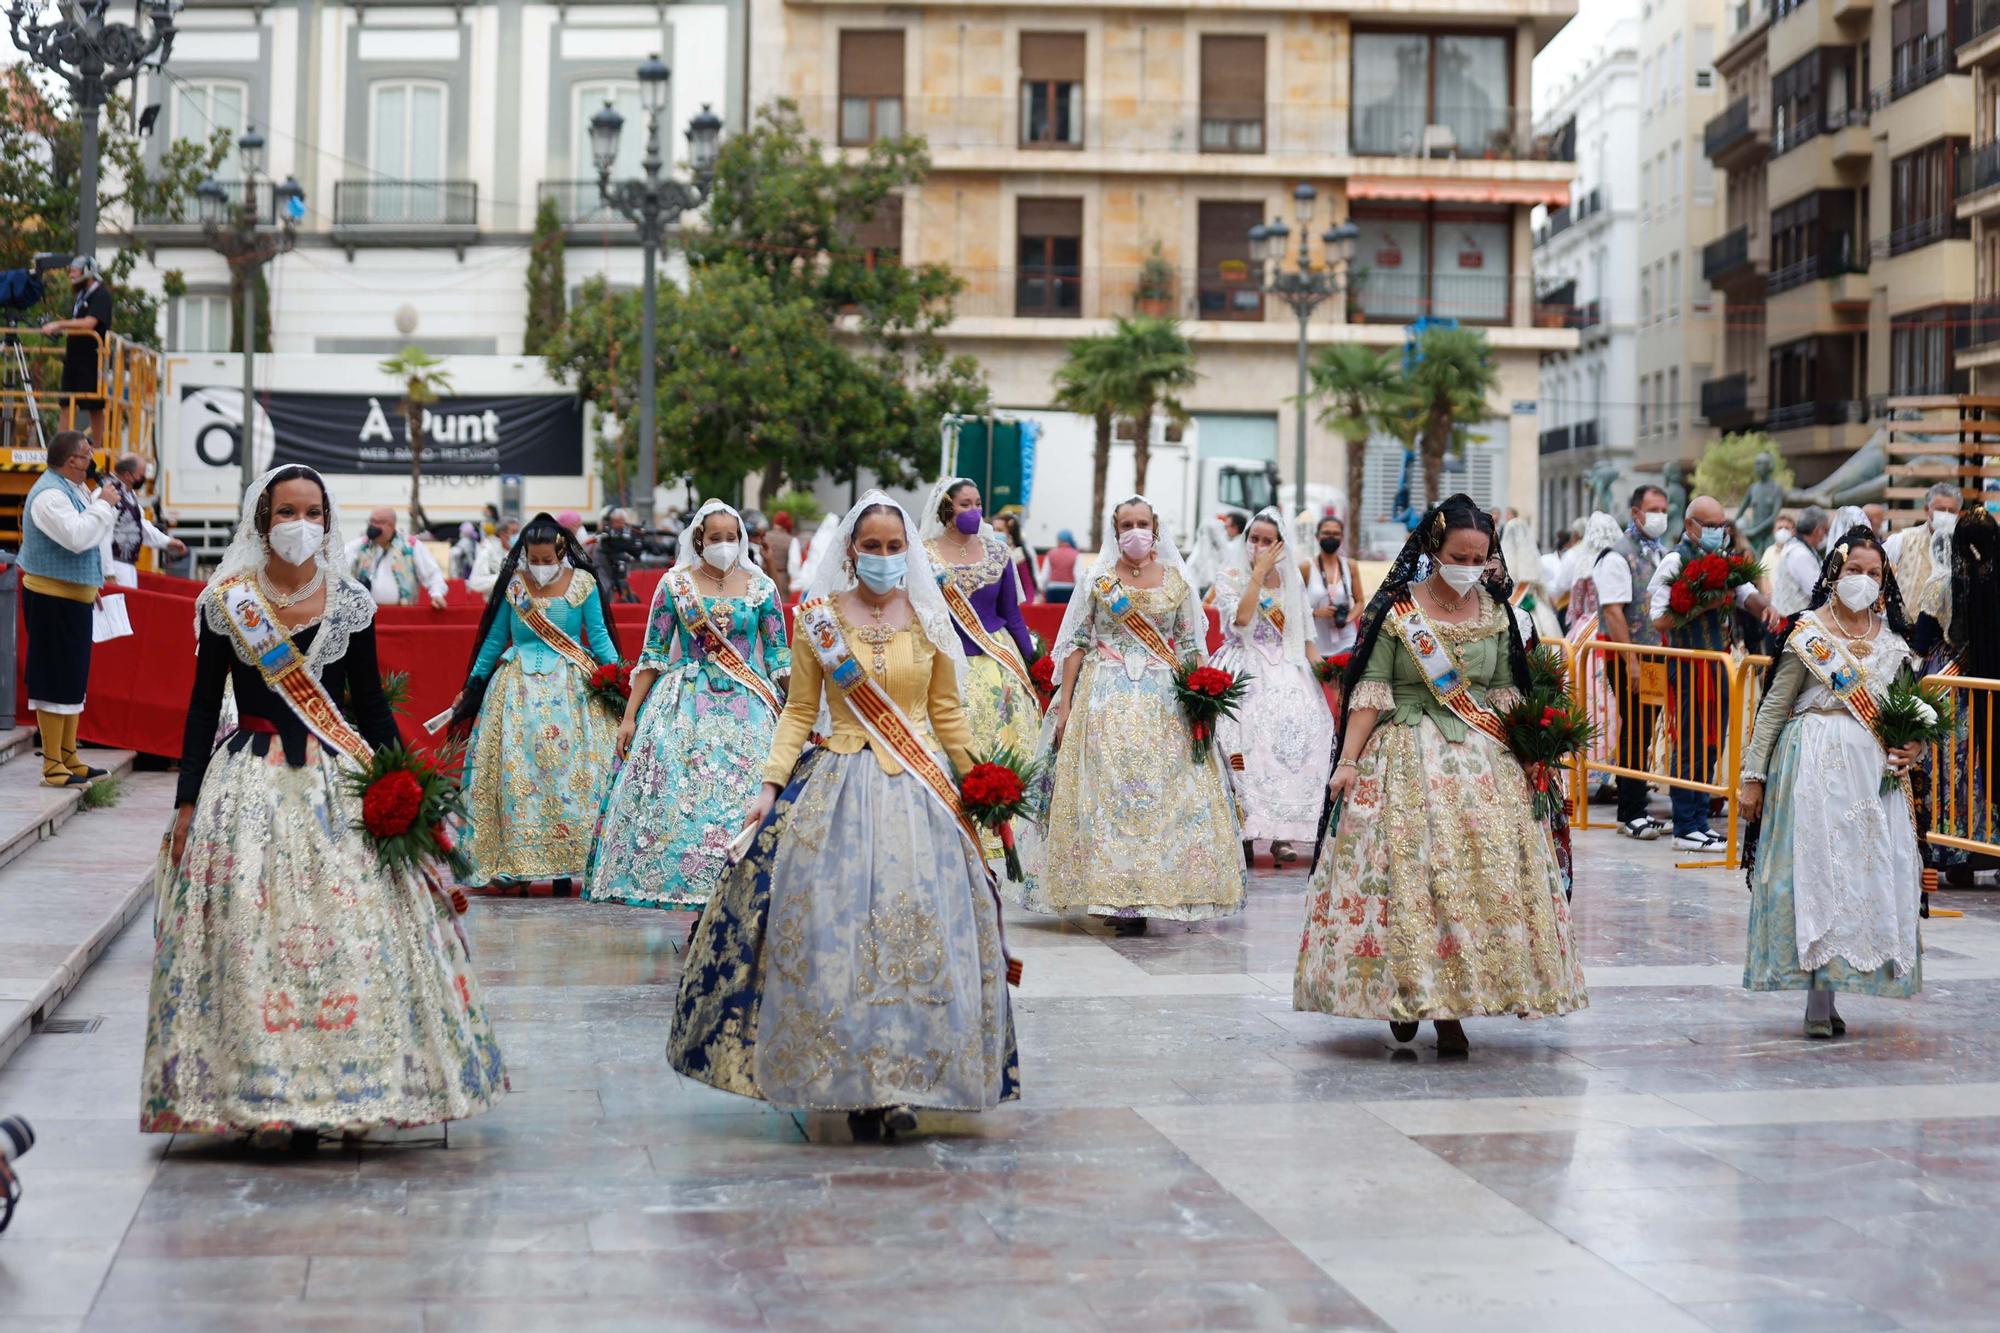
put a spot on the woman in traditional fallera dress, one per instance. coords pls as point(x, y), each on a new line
point(298, 985)
point(853, 961)
point(705, 700)
point(1280, 743)
point(983, 592)
point(1837, 880)
point(542, 748)
point(1133, 827)
point(1436, 894)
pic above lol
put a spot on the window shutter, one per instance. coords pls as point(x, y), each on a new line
point(1232, 77)
point(871, 64)
point(884, 231)
point(1224, 236)
point(1052, 56)
point(1051, 217)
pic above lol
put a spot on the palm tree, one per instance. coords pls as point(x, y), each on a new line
point(1450, 381)
point(423, 382)
point(1151, 360)
point(1359, 384)
point(1085, 386)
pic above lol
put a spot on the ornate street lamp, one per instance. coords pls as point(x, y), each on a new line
point(93, 57)
point(1304, 287)
point(652, 203)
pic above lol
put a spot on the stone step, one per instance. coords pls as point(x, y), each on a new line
point(30, 812)
point(15, 743)
point(64, 898)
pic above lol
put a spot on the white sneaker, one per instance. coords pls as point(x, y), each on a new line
point(1703, 840)
point(1645, 828)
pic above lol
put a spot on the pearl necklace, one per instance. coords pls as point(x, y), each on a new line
point(285, 600)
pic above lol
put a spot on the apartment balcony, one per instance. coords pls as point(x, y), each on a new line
point(185, 217)
point(1981, 44)
point(580, 206)
point(1978, 177)
point(405, 213)
point(1843, 10)
point(1726, 402)
point(1587, 436)
point(1847, 127)
point(1921, 63)
point(1837, 264)
point(1739, 137)
point(1820, 412)
point(1732, 261)
point(1982, 339)
point(1558, 441)
point(1924, 231)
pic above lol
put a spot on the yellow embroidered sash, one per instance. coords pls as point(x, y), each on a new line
point(996, 646)
point(1583, 631)
point(1834, 666)
point(694, 614)
point(1440, 669)
point(264, 641)
point(1112, 593)
point(547, 630)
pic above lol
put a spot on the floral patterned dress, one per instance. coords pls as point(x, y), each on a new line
point(1133, 826)
point(296, 983)
point(693, 767)
point(1283, 729)
point(543, 748)
point(1440, 897)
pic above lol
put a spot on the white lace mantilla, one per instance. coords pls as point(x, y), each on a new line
point(349, 608)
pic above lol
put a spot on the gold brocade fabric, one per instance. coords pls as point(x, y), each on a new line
point(295, 983)
point(541, 755)
point(1439, 896)
point(1134, 826)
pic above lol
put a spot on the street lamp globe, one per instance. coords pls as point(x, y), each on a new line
point(1257, 235)
point(213, 201)
point(1303, 200)
point(653, 77)
point(251, 146)
point(605, 127)
point(1276, 237)
point(1339, 242)
point(703, 134)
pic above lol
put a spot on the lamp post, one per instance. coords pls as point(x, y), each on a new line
point(92, 57)
point(1304, 287)
point(233, 233)
point(652, 204)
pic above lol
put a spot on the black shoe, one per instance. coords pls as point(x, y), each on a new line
point(898, 1120)
point(865, 1126)
point(305, 1140)
point(1452, 1044)
point(1403, 1031)
point(560, 888)
point(1127, 926)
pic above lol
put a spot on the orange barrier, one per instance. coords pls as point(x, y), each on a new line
point(1959, 802)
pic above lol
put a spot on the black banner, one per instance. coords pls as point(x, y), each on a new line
point(529, 435)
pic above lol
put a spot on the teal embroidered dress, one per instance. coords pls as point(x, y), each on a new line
point(695, 761)
point(542, 749)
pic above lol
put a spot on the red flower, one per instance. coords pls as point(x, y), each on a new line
point(1341, 661)
point(392, 804)
point(1680, 599)
point(1210, 681)
point(991, 785)
point(1550, 715)
point(1712, 572)
point(1044, 672)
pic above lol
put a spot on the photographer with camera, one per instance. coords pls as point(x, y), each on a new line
point(619, 546)
point(1333, 589)
point(64, 527)
point(90, 314)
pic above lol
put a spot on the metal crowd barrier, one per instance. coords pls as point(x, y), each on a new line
point(1960, 803)
point(1682, 718)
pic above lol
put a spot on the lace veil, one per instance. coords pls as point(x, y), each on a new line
point(687, 559)
point(835, 574)
point(1164, 550)
point(1291, 584)
point(348, 605)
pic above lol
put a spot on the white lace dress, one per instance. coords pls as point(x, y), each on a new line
point(1280, 743)
point(1838, 878)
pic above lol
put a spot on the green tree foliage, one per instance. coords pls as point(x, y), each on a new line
point(1728, 467)
point(791, 353)
point(422, 380)
point(545, 280)
point(261, 294)
point(1085, 384)
point(1151, 362)
point(1362, 386)
point(803, 506)
point(1449, 385)
point(41, 149)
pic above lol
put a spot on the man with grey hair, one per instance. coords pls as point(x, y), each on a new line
point(1920, 556)
point(133, 532)
point(1799, 561)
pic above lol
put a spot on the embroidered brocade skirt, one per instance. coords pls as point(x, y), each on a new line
point(296, 984)
point(540, 757)
point(1132, 825)
point(1440, 896)
point(1001, 714)
point(1824, 799)
point(694, 768)
point(1284, 731)
point(852, 960)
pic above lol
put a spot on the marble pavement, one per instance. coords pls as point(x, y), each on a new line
point(1190, 1153)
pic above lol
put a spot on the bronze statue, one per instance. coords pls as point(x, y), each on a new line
point(1675, 485)
point(1759, 513)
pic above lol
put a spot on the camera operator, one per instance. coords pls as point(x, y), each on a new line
point(619, 547)
point(90, 314)
point(16, 1137)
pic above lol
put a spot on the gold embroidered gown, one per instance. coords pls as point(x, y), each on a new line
point(1440, 896)
point(853, 959)
point(1133, 826)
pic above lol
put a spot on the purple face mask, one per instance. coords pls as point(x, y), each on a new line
point(967, 521)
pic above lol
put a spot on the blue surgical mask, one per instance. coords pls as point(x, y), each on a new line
point(881, 572)
point(1714, 539)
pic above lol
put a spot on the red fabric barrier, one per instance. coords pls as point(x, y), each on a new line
point(140, 686)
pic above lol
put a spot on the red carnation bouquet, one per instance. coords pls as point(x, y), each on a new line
point(611, 685)
point(1043, 671)
point(1706, 582)
point(1207, 695)
point(1546, 728)
point(995, 792)
point(409, 807)
point(1331, 669)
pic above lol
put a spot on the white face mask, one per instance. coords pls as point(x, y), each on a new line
point(1654, 525)
point(297, 540)
point(1781, 536)
point(1857, 592)
point(721, 555)
point(1460, 578)
point(545, 574)
point(1944, 522)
